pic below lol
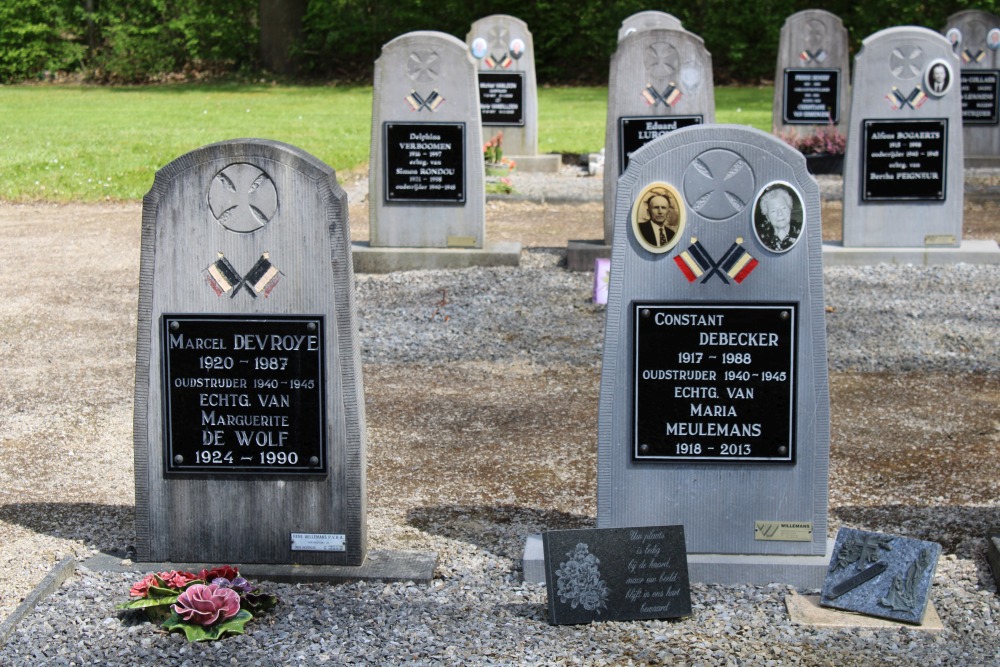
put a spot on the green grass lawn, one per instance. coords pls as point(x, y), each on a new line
point(68, 143)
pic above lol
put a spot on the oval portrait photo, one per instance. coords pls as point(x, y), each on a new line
point(658, 217)
point(937, 78)
point(778, 216)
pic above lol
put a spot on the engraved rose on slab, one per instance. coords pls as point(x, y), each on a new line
point(579, 582)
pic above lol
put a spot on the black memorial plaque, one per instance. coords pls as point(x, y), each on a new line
point(244, 395)
point(616, 574)
point(714, 382)
point(904, 160)
point(634, 132)
point(812, 96)
point(424, 163)
point(501, 98)
point(980, 90)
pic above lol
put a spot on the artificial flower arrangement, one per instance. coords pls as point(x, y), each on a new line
point(826, 140)
point(205, 606)
point(498, 165)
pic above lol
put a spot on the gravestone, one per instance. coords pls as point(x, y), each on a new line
point(714, 407)
point(903, 171)
point(660, 81)
point(880, 575)
point(508, 93)
point(812, 80)
point(617, 574)
point(648, 20)
point(249, 427)
point(426, 179)
point(975, 37)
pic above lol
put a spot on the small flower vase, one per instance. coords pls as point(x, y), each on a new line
point(497, 169)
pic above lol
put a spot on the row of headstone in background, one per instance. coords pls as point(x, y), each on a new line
point(904, 170)
point(426, 174)
point(660, 80)
point(812, 79)
point(508, 92)
point(975, 38)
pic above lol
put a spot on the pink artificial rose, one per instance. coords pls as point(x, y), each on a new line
point(141, 589)
point(175, 579)
point(205, 605)
point(225, 571)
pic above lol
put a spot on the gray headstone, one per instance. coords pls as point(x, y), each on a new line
point(426, 169)
point(648, 20)
point(812, 80)
point(714, 408)
point(505, 56)
point(880, 575)
point(249, 425)
point(975, 37)
point(660, 80)
point(903, 170)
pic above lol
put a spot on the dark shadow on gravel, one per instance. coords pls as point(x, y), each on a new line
point(110, 528)
point(500, 529)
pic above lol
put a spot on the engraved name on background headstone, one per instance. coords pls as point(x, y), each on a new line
point(508, 92)
point(648, 20)
point(426, 201)
point(660, 80)
point(714, 408)
point(426, 167)
point(975, 37)
point(812, 80)
point(249, 424)
point(903, 170)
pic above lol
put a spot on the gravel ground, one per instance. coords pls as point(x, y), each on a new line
point(482, 390)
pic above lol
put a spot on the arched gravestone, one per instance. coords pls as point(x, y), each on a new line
point(714, 408)
point(648, 20)
point(903, 172)
point(660, 80)
point(508, 93)
point(975, 37)
point(812, 79)
point(249, 427)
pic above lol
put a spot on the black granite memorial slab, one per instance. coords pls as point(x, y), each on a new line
point(812, 96)
point(634, 132)
point(616, 574)
point(904, 160)
point(980, 90)
point(714, 382)
point(424, 162)
point(880, 575)
point(243, 395)
point(501, 98)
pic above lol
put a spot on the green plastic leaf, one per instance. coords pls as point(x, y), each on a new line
point(200, 633)
point(258, 603)
point(142, 603)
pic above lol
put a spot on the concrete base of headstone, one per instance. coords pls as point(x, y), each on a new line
point(581, 255)
point(805, 610)
point(385, 260)
point(982, 162)
point(550, 163)
point(993, 554)
point(969, 252)
point(725, 569)
point(414, 566)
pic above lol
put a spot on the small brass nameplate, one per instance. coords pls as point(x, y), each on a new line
point(783, 531)
point(939, 239)
point(461, 241)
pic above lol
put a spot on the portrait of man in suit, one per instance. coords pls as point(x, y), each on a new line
point(657, 218)
point(937, 79)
